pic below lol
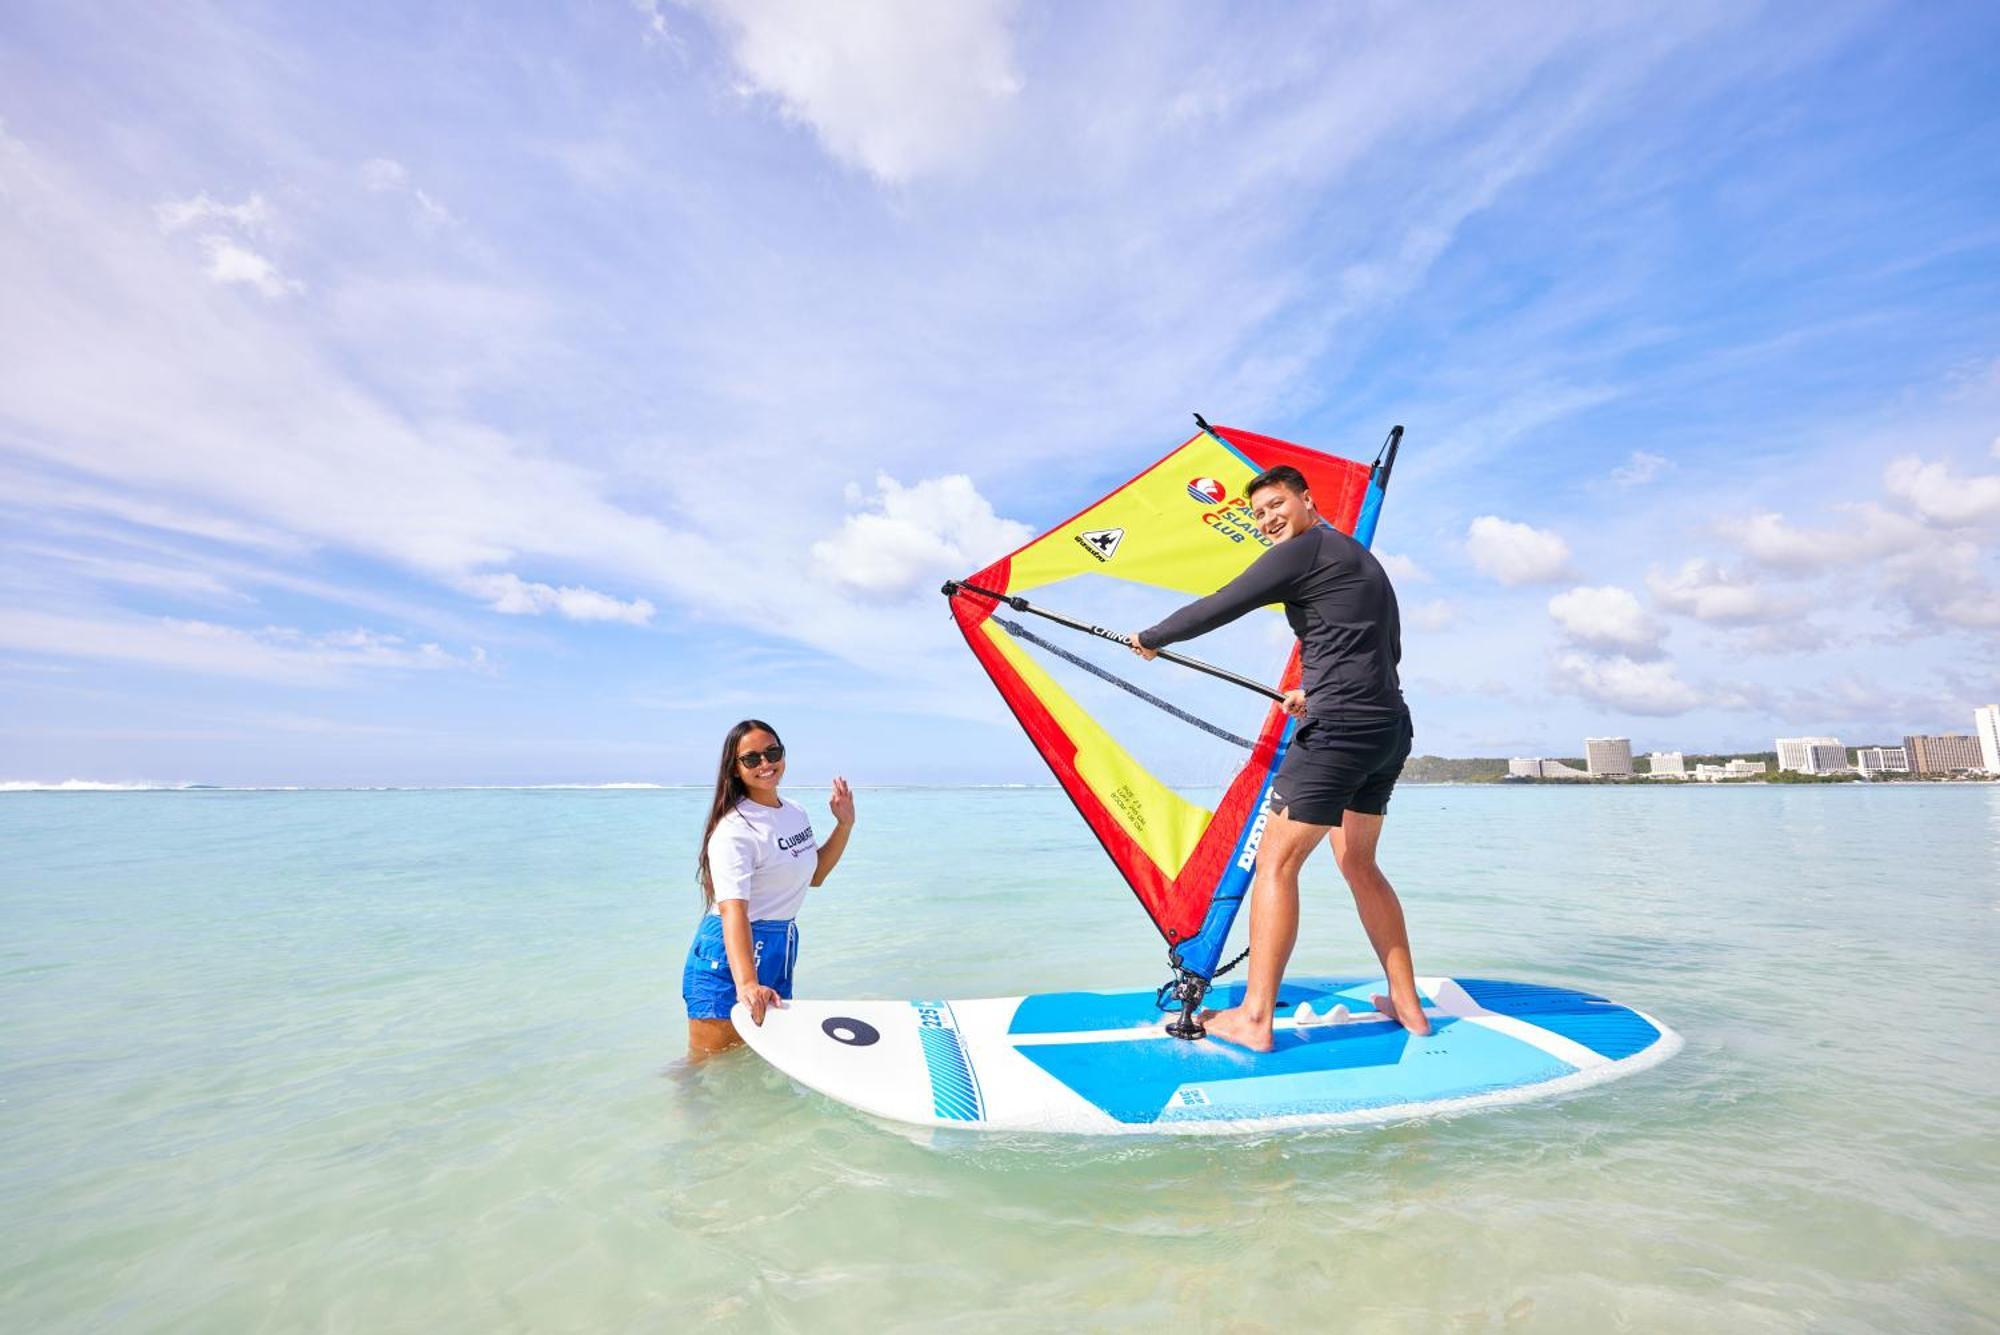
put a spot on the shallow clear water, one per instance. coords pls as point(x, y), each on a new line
point(409, 1061)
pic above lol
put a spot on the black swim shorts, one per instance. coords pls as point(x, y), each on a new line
point(1336, 765)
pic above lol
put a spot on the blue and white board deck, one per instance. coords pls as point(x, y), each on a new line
point(1099, 1063)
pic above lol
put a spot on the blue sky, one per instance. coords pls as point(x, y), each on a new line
point(501, 394)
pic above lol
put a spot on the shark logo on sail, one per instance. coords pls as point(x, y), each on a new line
point(1101, 543)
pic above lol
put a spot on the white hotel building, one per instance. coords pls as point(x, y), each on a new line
point(1735, 769)
point(1881, 760)
point(1986, 723)
point(1608, 757)
point(1812, 755)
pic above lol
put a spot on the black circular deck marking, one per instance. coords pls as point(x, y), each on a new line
point(854, 1033)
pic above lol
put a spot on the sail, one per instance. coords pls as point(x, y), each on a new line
point(1180, 529)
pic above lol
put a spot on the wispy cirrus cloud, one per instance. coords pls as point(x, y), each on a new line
point(1641, 468)
point(271, 654)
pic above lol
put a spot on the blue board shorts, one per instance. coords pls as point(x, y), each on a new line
point(706, 983)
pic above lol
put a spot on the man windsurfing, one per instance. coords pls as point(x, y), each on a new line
point(1344, 757)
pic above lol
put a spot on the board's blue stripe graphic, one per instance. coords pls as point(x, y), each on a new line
point(954, 1094)
point(1524, 998)
point(1606, 1028)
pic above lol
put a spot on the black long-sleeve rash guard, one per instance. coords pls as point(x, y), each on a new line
point(1338, 600)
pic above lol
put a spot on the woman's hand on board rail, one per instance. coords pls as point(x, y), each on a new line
point(759, 999)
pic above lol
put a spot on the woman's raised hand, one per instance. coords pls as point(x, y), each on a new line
point(842, 803)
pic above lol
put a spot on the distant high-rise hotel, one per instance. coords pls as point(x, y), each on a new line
point(1881, 760)
point(1608, 756)
point(1530, 767)
point(1812, 755)
point(1668, 763)
point(1948, 754)
point(1986, 723)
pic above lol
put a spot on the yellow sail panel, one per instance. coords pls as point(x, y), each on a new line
point(1165, 825)
point(1183, 525)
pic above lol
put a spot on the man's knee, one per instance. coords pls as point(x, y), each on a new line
point(1356, 863)
point(1354, 841)
point(1286, 844)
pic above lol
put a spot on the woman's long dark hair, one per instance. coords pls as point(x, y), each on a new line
point(729, 790)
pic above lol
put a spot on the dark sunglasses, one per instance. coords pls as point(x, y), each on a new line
point(752, 759)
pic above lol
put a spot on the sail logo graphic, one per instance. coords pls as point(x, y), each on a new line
point(1101, 543)
point(1227, 518)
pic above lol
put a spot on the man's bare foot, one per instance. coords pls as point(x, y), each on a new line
point(1411, 1017)
point(1234, 1026)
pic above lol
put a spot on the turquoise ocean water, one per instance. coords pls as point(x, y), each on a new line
point(410, 1061)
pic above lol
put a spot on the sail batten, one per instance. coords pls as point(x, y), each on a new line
point(1181, 527)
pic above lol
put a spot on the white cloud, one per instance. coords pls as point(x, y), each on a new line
point(898, 88)
point(380, 174)
point(1707, 592)
point(657, 31)
point(1516, 553)
point(1872, 532)
point(175, 580)
point(229, 260)
point(1640, 469)
point(1633, 687)
point(1437, 614)
point(221, 411)
point(278, 654)
point(33, 490)
point(933, 530)
point(1402, 569)
point(1941, 496)
point(388, 176)
point(430, 213)
point(174, 215)
point(1771, 639)
point(1945, 580)
point(1606, 618)
point(511, 594)
point(231, 263)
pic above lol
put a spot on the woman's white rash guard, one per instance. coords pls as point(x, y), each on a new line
point(765, 856)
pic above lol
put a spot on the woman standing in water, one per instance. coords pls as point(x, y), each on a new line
point(758, 858)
